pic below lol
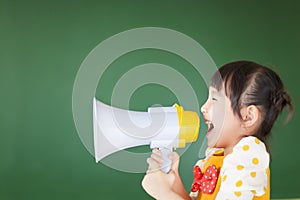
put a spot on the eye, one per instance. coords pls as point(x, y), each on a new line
point(214, 99)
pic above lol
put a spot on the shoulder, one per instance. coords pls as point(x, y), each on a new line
point(249, 152)
point(250, 144)
point(245, 169)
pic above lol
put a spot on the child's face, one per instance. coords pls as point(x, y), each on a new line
point(224, 127)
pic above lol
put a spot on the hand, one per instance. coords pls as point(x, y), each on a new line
point(158, 184)
point(156, 161)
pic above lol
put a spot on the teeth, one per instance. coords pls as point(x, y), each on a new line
point(210, 125)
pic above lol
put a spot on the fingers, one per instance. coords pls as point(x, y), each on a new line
point(174, 157)
point(153, 164)
point(155, 161)
point(157, 155)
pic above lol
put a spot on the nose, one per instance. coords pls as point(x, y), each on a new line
point(204, 108)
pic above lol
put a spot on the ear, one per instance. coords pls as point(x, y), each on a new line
point(250, 115)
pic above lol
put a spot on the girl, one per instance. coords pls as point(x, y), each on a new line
point(244, 101)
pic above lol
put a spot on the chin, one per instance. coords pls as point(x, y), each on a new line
point(212, 140)
point(211, 144)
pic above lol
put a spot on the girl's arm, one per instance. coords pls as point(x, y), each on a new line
point(160, 185)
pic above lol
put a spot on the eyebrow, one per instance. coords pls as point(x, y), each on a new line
point(215, 92)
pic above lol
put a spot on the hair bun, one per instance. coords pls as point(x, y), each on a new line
point(280, 99)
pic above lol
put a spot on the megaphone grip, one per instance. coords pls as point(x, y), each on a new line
point(166, 166)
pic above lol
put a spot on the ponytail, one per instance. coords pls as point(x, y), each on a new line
point(280, 100)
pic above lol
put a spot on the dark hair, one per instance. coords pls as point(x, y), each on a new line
point(248, 83)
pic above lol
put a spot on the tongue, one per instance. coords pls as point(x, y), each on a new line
point(211, 126)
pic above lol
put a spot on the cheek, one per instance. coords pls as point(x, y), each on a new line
point(232, 121)
point(219, 114)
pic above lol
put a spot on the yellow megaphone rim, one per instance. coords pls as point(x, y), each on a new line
point(189, 123)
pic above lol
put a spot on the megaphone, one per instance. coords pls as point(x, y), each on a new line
point(165, 128)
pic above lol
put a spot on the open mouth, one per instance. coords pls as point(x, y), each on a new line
point(210, 126)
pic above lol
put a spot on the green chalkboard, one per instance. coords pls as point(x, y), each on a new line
point(44, 43)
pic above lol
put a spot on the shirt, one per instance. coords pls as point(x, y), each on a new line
point(243, 174)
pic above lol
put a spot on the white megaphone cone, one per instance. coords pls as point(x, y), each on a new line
point(161, 127)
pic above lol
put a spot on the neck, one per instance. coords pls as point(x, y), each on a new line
point(227, 150)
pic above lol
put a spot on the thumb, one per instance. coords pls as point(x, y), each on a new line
point(174, 157)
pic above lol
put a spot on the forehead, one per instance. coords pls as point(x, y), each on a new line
point(214, 91)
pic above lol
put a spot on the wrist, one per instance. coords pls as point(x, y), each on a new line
point(178, 187)
point(174, 196)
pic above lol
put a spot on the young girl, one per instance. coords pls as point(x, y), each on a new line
point(244, 101)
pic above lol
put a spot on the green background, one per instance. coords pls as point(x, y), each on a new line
point(43, 44)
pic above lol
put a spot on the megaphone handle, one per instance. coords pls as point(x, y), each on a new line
point(166, 166)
